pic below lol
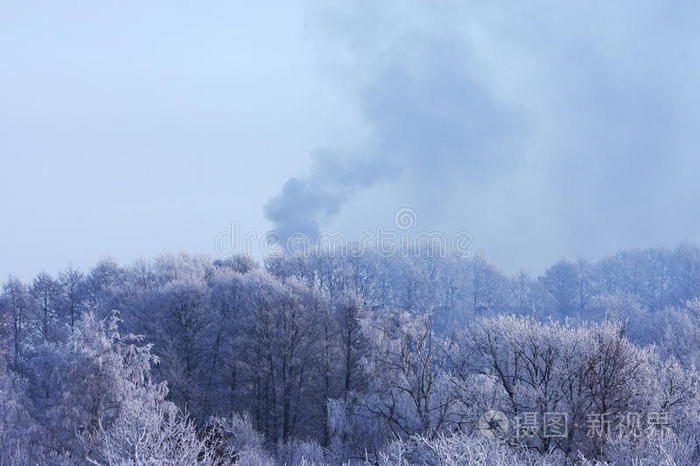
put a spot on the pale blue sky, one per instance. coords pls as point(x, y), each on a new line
point(133, 128)
point(544, 128)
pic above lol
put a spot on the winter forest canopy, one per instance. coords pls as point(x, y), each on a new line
point(336, 357)
point(536, 301)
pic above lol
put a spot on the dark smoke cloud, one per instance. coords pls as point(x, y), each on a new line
point(546, 129)
point(305, 203)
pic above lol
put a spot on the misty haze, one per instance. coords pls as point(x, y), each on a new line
point(368, 233)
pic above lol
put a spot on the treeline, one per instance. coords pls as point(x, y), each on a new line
point(337, 356)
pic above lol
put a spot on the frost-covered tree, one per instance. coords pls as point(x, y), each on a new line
point(18, 313)
point(280, 338)
point(74, 295)
point(408, 377)
point(350, 356)
point(92, 400)
point(47, 293)
point(180, 310)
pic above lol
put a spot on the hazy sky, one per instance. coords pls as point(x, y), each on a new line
point(546, 129)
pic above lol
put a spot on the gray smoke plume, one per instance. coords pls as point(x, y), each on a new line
point(545, 129)
point(305, 203)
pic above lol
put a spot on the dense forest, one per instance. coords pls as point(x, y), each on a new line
point(353, 357)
